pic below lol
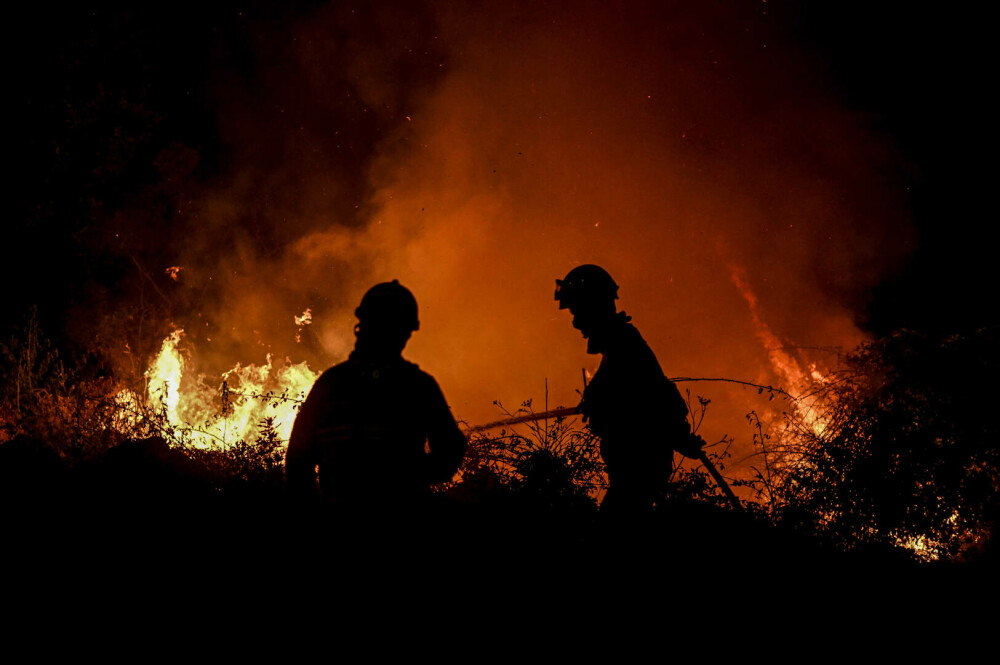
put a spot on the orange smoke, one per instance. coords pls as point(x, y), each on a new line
point(666, 144)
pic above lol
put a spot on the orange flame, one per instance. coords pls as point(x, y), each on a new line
point(233, 411)
point(305, 319)
point(797, 380)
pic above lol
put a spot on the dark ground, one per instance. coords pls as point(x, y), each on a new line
point(137, 521)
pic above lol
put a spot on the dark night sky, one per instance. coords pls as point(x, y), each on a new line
point(924, 71)
point(104, 97)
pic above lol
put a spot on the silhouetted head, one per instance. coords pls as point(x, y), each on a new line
point(387, 316)
point(589, 292)
point(586, 285)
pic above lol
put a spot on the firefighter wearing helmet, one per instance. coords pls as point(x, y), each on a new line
point(377, 427)
point(638, 414)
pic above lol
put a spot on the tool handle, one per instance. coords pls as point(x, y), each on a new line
point(527, 418)
point(720, 481)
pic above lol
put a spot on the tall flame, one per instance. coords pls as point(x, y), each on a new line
point(164, 377)
point(797, 379)
point(247, 399)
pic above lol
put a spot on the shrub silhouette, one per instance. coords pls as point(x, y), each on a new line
point(908, 448)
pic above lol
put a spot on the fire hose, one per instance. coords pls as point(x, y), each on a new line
point(720, 481)
point(574, 411)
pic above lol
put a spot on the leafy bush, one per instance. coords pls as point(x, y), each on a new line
point(554, 464)
point(558, 463)
point(904, 449)
point(68, 406)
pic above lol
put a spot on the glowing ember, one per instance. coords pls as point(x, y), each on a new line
point(305, 319)
point(127, 409)
point(922, 547)
point(302, 321)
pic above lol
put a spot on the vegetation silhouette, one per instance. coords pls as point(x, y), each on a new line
point(906, 460)
point(905, 449)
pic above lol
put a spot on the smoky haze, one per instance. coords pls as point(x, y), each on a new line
point(480, 151)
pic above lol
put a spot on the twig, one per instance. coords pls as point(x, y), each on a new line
point(760, 388)
point(151, 281)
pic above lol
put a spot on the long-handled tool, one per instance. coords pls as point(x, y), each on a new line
point(561, 412)
point(564, 412)
point(720, 481)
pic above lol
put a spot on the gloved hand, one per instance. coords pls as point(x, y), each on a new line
point(691, 446)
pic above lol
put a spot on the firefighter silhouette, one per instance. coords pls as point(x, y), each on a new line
point(376, 426)
point(636, 411)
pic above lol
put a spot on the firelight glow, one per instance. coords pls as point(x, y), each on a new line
point(207, 415)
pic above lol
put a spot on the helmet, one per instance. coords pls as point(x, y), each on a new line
point(389, 305)
point(585, 283)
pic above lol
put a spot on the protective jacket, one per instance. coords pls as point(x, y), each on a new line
point(638, 414)
point(379, 431)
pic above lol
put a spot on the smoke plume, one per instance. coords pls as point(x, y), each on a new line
point(478, 151)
